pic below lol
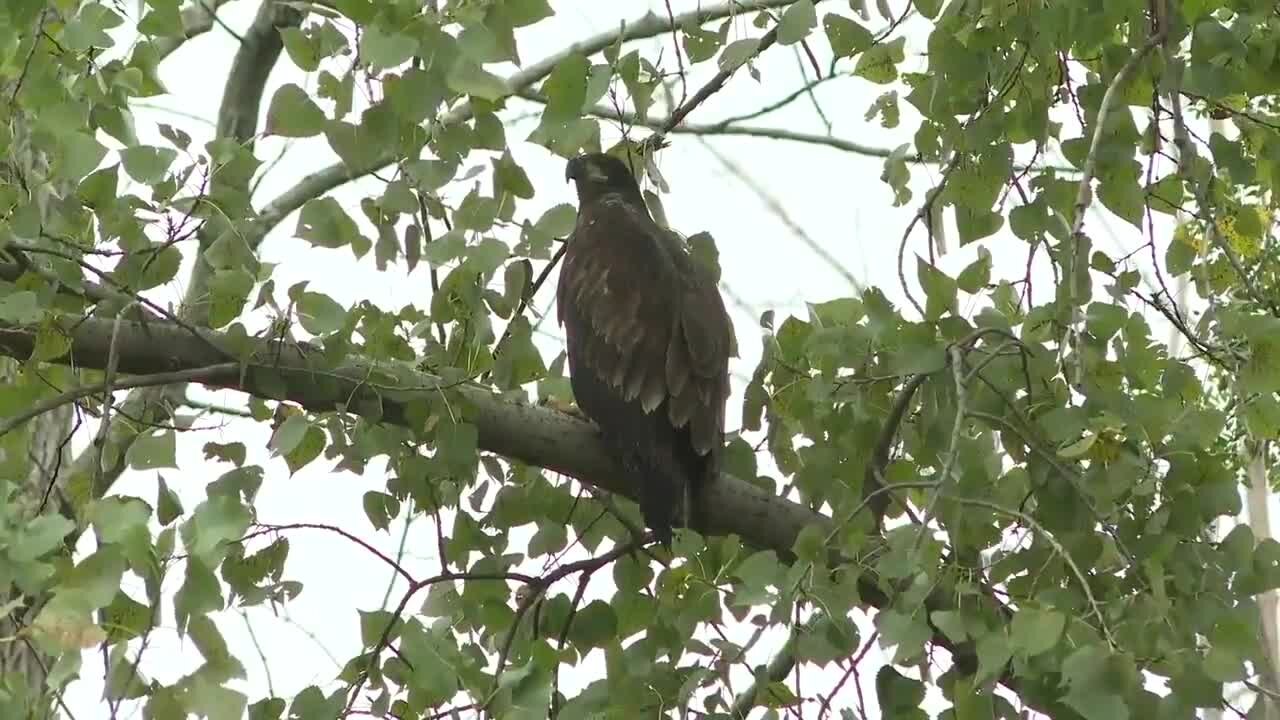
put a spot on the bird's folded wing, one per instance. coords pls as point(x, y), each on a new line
point(654, 328)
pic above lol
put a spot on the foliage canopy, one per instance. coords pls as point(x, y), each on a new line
point(1072, 466)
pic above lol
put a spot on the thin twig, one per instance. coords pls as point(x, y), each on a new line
point(650, 25)
point(1057, 548)
point(208, 372)
point(733, 127)
point(781, 213)
point(538, 586)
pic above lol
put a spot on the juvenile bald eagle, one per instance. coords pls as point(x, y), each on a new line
point(648, 342)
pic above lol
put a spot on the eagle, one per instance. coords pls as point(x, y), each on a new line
point(648, 343)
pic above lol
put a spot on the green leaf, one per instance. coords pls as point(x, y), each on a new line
point(293, 114)
point(88, 28)
point(303, 50)
point(319, 313)
point(468, 78)
point(759, 569)
point(928, 8)
point(594, 625)
point(147, 164)
point(738, 52)
point(530, 689)
point(1036, 631)
point(523, 13)
point(1120, 193)
point(216, 521)
point(94, 581)
point(897, 692)
point(973, 224)
point(80, 153)
point(266, 709)
point(797, 20)
point(1088, 675)
point(125, 619)
point(566, 87)
point(324, 223)
point(381, 50)
point(430, 656)
point(846, 36)
point(153, 451)
point(896, 174)
point(215, 702)
point(1223, 665)
point(879, 63)
point(39, 537)
point(380, 508)
point(974, 278)
point(20, 308)
point(951, 623)
point(993, 652)
point(457, 446)
point(228, 292)
point(308, 449)
point(551, 538)
point(1166, 194)
point(939, 290)
point(908, 631)
point(289, 434)
point(699, 45)
point(117, 519)
point(168, 505)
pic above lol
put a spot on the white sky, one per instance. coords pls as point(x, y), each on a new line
point(837, 199)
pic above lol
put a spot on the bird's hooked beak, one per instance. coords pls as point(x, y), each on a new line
point(580, 168)
point(573, 169)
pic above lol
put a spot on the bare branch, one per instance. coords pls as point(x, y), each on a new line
point(1109, 98)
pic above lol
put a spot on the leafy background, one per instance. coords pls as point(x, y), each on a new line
point(1080, 460)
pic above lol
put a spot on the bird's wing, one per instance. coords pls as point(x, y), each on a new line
point(697, 366)
point(654, 325)
point(624, 290)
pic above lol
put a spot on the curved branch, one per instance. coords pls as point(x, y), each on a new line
point(322, 181)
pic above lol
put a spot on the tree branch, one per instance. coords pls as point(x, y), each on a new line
point(201, 374)
point(237, 120)
point(197, 19)
point(535, 435)
point(320, 182)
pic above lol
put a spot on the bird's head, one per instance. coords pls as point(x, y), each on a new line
point(599, 174)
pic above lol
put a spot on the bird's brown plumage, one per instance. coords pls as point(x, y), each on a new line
point(648, 341)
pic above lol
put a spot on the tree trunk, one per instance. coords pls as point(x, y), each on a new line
point(39, 451)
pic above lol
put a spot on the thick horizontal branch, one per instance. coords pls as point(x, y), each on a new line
point(534, 435)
